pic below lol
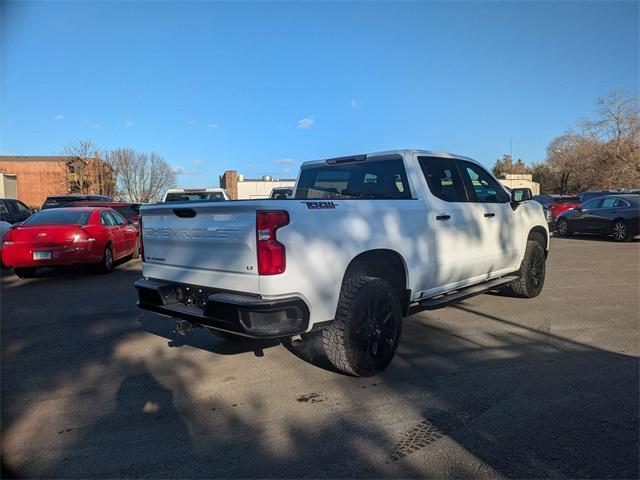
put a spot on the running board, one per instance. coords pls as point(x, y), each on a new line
point(457, 295)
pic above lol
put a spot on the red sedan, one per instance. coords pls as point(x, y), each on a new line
point(68, 236)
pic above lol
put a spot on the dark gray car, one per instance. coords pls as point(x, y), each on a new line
point(615, 215)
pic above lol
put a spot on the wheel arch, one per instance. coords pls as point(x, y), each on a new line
point(382, 263)
point(539, 233)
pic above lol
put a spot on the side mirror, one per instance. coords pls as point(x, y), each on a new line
point(521, 194)
point(16, 225)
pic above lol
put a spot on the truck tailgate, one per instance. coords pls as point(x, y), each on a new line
point(209, 243)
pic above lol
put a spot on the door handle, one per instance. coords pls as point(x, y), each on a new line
point(489, 215)
point(443, 217)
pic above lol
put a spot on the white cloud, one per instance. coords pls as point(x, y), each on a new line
point(58, 117)
point(250, 165)
point(213, 125)
point(178, 170)
point(191, 122)
point(128, 123)
point(285, 161)
point(286, 170)
point(355, 103)
point(96, 125)
point(306, 122)
point(197, 162)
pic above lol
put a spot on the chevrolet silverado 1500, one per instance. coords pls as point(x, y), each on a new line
point(363, 242)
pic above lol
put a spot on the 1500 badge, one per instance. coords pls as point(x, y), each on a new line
point(315, 205)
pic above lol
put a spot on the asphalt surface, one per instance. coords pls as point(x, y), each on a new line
point(493, 387)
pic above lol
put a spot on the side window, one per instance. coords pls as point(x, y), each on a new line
point(591, 204)
point(21, 207)
point(608, 202)
point(620, 203)
point(481, 185)
point(117, 218)
point(443, 178)
point(3, 208)
point(106, 219)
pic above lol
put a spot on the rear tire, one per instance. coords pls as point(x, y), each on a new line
point(25, 272)
point(621, 232)
point(136, 251)
point(106, 265)
point(562, 227)
point(364, 336)
point(532, 272)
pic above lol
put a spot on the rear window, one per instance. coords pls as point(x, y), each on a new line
point(377, 179)
point(566, 200)
point(59, 217)
point(53, 202)
point(127, 211)
point(192, 196)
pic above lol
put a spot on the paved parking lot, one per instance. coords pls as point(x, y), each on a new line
point(495, 386)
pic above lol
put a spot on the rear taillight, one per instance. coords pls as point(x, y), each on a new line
point(8, 238)
point(141, 246)
point(271, 254)
point(82, 237)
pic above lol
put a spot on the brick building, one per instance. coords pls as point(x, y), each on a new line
point(239, 187)
point(41, 176)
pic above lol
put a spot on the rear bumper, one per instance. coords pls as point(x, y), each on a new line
point(242, 314)
point(22, 256)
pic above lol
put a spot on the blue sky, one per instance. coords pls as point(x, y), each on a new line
point(261, 87)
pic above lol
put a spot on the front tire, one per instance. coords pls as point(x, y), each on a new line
point(25, 272)
point(532, 272)
point(366, 331)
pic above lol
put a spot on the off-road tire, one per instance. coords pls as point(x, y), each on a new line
point(106, 264)
point(532, 271)
point(25, 272)
point(343, 340)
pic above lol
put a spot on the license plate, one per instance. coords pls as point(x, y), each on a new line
point(42, 255)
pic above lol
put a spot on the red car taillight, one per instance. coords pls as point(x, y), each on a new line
point(140, 236)
point(271, 254)
point(8, 238)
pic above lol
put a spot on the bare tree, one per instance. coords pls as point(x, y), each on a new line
point(604, 151)
point(141, 177)
point(88, 172)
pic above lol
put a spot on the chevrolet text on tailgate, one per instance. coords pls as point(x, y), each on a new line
point(365, 241)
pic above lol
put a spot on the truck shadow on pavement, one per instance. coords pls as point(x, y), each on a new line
point(91, 394)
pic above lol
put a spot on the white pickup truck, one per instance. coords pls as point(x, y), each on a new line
point(364, 241)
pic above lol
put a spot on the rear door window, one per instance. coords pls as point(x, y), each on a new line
point(443, 178)
point(107, 219)
point(608, 202)
point(372, 179)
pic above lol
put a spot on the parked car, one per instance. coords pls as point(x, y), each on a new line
point(4, 228)
point(13, 211)
point(586, 196)
point(614, 215)
point(554, 205)
point(192, 194)
point(57, 201)
point(281, 193)
point(369, 239)
point(67, 236)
